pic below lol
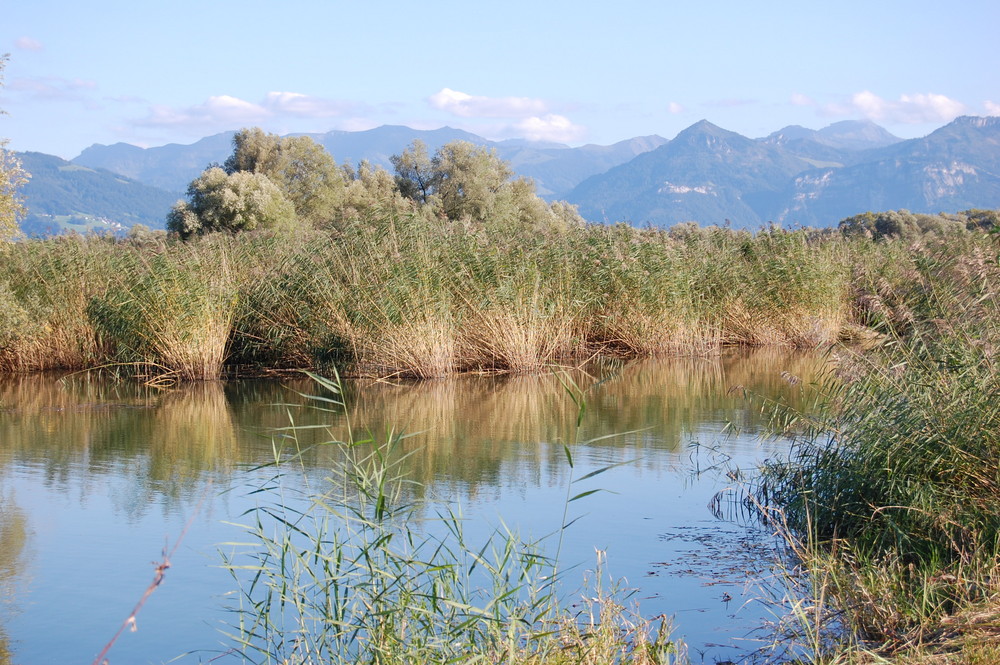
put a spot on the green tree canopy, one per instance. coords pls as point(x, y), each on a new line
point(891, 223)
point(466, 182)
point(302, 169)
point(416, 177)
point(240, 201)
point(977, 218)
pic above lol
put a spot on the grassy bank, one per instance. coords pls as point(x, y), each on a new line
point(407, 296)
point(892, 499)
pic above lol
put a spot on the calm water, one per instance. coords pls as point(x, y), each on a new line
point(96, 478)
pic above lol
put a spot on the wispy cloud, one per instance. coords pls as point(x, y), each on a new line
point(798, 99)
point(28, 44)
point(675, 108)
point(471, 106)
point(523, 117)
point(914, 109)
point(227, 111)
point(306, 106)
point(992, 108)
point(54, 88)
point(222, 110)
point(911, 109)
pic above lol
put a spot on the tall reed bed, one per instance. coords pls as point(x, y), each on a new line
point(645, 292)
point(171, 311)
point(404, 295)
point(45, 287)
point(897, 491)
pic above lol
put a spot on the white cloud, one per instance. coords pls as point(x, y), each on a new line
point(549, 127)
point(305, 106)
point(470, 106)
point(226, 111)
point(28, 44)
point(908, 109)
point(221, 110)
point(675, 108)
point(992, 108)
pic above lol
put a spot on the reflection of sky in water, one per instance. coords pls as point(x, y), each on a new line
point(105, 474)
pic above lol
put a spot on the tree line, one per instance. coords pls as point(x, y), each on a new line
point(273, 182)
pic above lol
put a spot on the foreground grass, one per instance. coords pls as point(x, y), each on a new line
point(892, 501)
point(405, 296)
point(360, 570)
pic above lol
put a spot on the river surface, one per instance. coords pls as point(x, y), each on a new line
point(97, 478)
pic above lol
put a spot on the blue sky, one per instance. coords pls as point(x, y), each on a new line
point(150, 72)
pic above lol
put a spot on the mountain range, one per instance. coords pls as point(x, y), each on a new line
point(556, 168)
point(62, 196)
point(799, 176)
point(705, 174)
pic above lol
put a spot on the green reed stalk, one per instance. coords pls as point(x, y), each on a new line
point(363, 571)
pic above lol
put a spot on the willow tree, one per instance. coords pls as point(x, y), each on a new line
point(241, 201)
point(467, 182)
point(302, 169)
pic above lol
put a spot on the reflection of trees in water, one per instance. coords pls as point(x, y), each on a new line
point(13, 540)
point(472, 429)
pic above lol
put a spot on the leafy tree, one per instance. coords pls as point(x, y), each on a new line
point(12, 177)
point(470, 180)
point(986, 220)
point(891, 223)
point(302, 169)
point(372, 189)
point(416, 177)
point(240, 201)
point(940, 224)
point(466, 182)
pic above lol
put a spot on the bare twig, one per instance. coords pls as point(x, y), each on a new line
point(158, 575)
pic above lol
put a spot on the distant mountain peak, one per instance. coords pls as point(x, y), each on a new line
point(850, 135)
point(856, 135)
point(705, 127)
point(790, 133)
point(703, 132)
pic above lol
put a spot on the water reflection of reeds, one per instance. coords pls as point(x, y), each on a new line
point(165, 441)
point(473, 429)
point(468, 427)
point(13, 542)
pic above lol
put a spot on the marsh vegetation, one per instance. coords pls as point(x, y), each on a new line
point(411, 297)
point(891, 494)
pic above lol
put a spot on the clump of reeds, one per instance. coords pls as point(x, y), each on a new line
point(172, 313)
point(365, 571)
point(45, 287)
point(792, 291)
point(900, 487)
